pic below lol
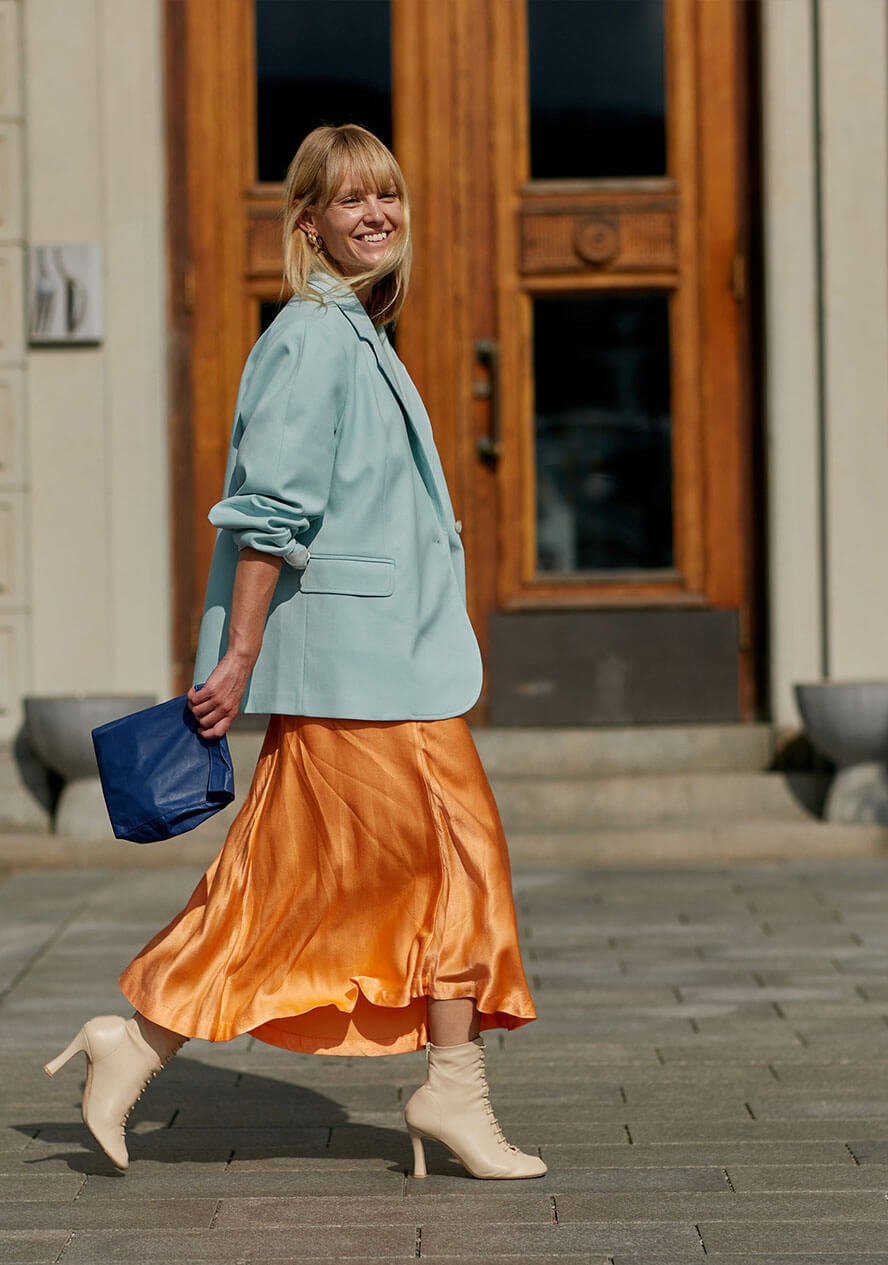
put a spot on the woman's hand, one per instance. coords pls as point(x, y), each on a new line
point(216, 703)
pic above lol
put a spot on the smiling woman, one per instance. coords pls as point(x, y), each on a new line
point(362, 902)
point(347, 209)
point(355, 228)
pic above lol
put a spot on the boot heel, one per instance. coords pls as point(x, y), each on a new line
point(77, 1046)
point(419, 1164)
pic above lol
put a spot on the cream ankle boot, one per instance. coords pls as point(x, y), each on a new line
point(453, 1107)
point(120, 1063)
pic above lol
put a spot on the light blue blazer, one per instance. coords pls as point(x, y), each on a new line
point(333, 467)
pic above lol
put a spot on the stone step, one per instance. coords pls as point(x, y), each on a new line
point(576, 799)
point(552, 804)
point(635, 749)
point(698, 843)
point(567, 753)
point(563, 781)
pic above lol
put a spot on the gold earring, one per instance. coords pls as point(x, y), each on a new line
point(313, 238)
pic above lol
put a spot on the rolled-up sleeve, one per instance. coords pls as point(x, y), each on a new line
point(285, 438)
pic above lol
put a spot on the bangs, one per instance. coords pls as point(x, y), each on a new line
point(366, 162)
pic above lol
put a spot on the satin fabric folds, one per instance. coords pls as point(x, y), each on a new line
point(366, 870)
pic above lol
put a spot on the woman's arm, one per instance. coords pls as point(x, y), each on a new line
point(216, 704)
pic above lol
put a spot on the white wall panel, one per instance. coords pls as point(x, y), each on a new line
point(11, 227)
point(792, 342)
point(12, 424)
point(10, 59)
point(13, 671)
point(12, 333)
point(854, 128)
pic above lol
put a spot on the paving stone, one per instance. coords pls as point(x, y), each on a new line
point(684, 1130)
point(777, 1237)
point(813, 1074)
point(239, 1181)
point(521, 1240)
point(821, 1177)
point(58, 1187)
point(284, 1160)
point(568, 1258)
point(122, 1213)
point(424, 1210)
point(32, 1248)
point(259, 1245)
point(727, 1206)
point(805, 1104)
point(767, 1258)
point(707, 1151)
point(869, 1151)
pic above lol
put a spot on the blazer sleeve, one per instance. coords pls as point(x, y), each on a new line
point(287, 423)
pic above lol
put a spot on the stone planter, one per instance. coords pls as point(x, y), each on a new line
point(847, 721)
point(60, 731)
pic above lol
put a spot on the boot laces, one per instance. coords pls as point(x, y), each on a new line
point(491, 1115)
point(145, 1083)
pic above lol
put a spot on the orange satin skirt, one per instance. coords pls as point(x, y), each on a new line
point(366, 871)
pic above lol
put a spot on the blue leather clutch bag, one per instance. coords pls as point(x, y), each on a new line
point(159, 776)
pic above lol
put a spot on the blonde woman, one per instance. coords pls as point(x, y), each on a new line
point(362, 902)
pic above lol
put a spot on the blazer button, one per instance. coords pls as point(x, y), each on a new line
point(457, 526)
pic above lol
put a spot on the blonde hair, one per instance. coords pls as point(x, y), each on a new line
point(322, 162)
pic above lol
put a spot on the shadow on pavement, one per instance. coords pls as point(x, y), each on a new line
point(218, 1114)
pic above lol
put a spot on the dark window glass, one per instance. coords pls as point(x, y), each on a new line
point(597, 88)
point(603, 433)
point(319, 61)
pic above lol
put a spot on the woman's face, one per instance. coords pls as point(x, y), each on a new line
point(357, 226)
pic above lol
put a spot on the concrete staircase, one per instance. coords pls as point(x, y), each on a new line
point(622, 795)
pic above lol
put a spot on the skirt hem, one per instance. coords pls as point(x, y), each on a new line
point(415, 1039)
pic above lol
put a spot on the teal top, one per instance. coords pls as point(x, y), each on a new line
point(333, 467)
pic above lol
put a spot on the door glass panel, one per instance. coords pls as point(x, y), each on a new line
point(319, 61)
point(603, 433)
point(597, 88)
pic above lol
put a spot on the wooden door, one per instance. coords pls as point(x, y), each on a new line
point(578, 329)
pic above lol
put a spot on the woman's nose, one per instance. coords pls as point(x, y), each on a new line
point(373, 212)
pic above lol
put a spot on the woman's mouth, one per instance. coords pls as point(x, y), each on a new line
point(373, 238)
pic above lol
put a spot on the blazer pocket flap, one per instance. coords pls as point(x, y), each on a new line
point(350, 576)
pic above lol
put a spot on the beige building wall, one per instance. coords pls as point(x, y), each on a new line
point(825, 106)
point(97, 525)
point(15, 546)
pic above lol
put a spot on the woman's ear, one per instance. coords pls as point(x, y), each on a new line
point(306, 221)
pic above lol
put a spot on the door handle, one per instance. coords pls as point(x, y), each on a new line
point(487, 353)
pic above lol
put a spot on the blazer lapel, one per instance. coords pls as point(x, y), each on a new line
point(353, 310)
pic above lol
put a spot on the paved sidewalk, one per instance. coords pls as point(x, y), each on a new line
point(707, 1082)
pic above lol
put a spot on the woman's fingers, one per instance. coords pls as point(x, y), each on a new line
point(217, 730)
point(216, 703)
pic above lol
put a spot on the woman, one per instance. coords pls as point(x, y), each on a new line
point(362, 902)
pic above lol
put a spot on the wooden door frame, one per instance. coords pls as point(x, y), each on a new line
point(466, 221)
point(207, 166)
point(448, 63)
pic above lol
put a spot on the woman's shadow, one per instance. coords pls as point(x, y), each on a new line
point(207, 1113)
